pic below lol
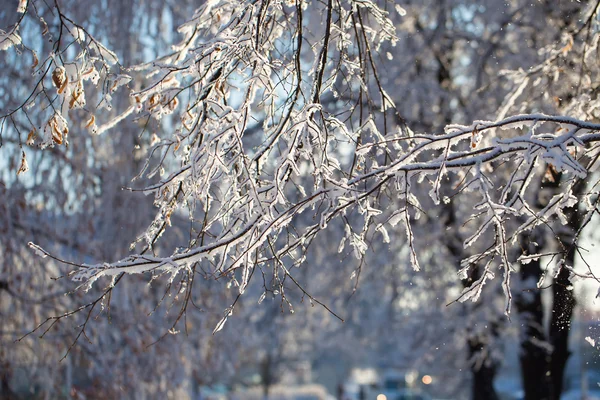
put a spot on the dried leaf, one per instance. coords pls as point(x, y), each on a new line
point(35, 59)
point(24, 167)
point(59, 76)
point(31, 137)
point(91, 121)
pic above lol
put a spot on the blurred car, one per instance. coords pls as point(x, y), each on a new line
point(577, 394)
point(285, 392)
point(407, 394)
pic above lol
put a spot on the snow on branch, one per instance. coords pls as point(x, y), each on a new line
point(268, 134)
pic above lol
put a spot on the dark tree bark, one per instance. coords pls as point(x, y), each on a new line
point(484, 371)
point(560, 324)
point(534, 357)
point(483, 367)
point(563, 298)
point(543, 370)
point(483, 375)
point(267, 375)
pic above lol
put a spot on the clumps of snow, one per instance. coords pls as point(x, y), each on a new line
point(37, 250)
point(7, 40)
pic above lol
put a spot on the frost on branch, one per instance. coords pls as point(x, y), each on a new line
point(261, 146)
point(71, 75)
point(9, 39)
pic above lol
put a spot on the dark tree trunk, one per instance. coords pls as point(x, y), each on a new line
point(483, 366)
point(534, 357)
point(5, 392)
point(483, 375)
point(563, 298)
point(543, 369)
point(560, 324)
point(267, 375)
point(484, 371)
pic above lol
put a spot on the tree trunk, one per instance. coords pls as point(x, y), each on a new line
point(542, 369)
point(484, 371)
point(483, 375)
point(267, 375)
point(563, 298)
point(483, 366)
point(534, 356)
point(560, 324)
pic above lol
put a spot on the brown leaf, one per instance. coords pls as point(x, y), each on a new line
point(24, 167)
point(59, 76)
point(91, 121)
point(31, 137)
point(35, 60)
